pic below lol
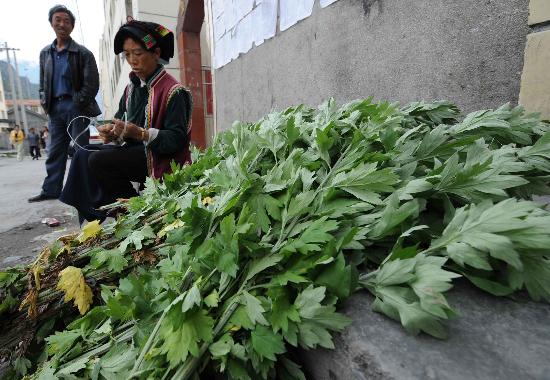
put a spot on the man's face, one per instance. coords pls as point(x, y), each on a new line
point(61, 25)
point(142, 62)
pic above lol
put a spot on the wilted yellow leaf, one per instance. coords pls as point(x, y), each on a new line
point(30, 301)
point(37, 271)
point(89, 231)
point(71, 281)
point(169, 227)
point(207, 201)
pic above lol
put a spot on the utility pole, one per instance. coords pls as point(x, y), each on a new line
point(12, 85)
point(23, 110)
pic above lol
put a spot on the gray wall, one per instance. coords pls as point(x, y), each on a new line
point(469, 52)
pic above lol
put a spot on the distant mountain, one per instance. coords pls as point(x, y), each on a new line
point(30, 70)
point(28, 86)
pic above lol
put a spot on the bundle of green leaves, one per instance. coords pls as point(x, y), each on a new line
point(253, 245)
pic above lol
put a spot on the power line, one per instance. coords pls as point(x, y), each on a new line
point(79, 23)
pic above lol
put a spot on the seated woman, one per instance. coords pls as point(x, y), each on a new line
point(150, 126)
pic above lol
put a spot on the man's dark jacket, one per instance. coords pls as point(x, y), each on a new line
point(84, 78)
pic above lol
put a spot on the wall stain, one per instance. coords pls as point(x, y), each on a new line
point(367, 5)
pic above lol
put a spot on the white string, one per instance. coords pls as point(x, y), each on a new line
point(121, 137)
point(80, 134)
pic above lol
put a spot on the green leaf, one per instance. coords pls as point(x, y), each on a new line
point(411, 291)
point(212, 299)
point(236, 370)
point(117, 362)
point(192, 298)
point(535, 277)
point(240, 319)
point(282, 311)
point(220, 348)
point(7, 304)
point(73, 367)
point(366, 183)
point(137, 237)
point(392, 302)
point(293, 371)
point(61, 341)
point(178, 342)
point(496, 230)
point(254, 308)
point(338, 277)
point(267, 343)
point(309, 301)
point(299, 204)
point(114, 258)
point(261, 264)
point(317, 232)
point(47, 372)
point(22, 365)
point(489, 286)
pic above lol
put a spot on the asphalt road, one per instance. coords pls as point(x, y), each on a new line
point(22, 235)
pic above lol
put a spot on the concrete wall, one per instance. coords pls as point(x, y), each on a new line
point(535, 81)
point(469, 52)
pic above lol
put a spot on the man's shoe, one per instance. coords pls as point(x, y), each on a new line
point(41, 197)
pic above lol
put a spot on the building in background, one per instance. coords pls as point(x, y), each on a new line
point(3, 105)
point(5, 122)
point(34, 119)
point(30, 105)
point(29, 90)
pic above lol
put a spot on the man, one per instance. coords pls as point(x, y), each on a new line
point(16, 139)
point(34, 144)
point(69, 82)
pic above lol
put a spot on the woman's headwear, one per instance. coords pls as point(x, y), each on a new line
point(150, 34)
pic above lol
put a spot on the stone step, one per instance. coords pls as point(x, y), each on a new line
point(492, 338)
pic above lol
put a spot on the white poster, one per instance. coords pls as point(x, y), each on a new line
point(243, 35)
point(326, 3)
point(243, 7)
point(264, 21)
point(293, 11)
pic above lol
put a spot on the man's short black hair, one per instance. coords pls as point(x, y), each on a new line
point(60, 8)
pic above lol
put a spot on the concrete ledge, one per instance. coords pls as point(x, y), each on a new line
point(535, 81)
point(493, 338)
point(539, 11)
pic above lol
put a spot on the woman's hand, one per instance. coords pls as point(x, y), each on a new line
point(132, 130)
point(105, 132)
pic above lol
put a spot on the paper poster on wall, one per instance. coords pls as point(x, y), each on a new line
point(217, 8)
point(326, 3)
point(292, 11)
point(219, 27)
point(243, 7)
point(230, 13)
point(264, 21)
point(243, 37)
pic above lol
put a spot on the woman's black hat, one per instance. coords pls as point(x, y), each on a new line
point(150, 35)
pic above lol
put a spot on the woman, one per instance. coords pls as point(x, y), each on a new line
point(150, 128)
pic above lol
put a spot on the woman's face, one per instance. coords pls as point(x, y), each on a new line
point(142, 62)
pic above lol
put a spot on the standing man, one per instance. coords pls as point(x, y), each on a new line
point(34, 144)
point(69, 82)
point(16, 138)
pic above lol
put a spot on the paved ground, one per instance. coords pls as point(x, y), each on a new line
point(22, 234)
